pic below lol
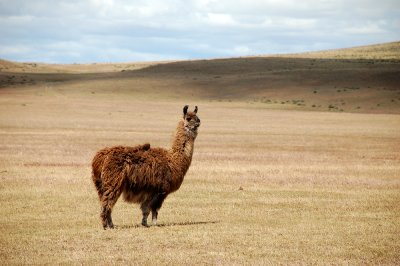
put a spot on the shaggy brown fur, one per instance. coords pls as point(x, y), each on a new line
point(144, 175)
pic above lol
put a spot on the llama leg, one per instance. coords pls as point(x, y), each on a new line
point(145, 211)
point(155, 205)
point(105, 216)
point(107, 203)
point(154, 215)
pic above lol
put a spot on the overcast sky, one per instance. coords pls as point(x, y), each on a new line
point(84, 31)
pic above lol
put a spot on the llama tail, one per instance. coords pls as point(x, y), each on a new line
point(97, 165)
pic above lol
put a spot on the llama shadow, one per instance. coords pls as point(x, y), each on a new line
point(167, 224)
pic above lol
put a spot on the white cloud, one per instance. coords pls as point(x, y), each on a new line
point(218, 19)
point(14, 49)
point(366, 28)
point(289, 23)
point(113, 30)
point(241, 50)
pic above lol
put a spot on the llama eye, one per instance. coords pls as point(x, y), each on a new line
point(188, 119)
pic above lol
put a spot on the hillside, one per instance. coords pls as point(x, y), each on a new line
point(8, 66)
point(385, 51)
point(339, 85)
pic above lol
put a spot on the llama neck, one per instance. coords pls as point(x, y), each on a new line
point(182, 147)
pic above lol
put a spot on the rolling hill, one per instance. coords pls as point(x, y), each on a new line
point(364, 79)
point(384, 51)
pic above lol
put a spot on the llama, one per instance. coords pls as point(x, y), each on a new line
point(143, 174)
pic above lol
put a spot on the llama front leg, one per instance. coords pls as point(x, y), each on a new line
point(155, 205)
point(144, 219)
point(154, 215)
point(145, 211)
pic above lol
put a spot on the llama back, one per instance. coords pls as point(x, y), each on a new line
point(150, 172)
point(138, 169)
point(100, 157)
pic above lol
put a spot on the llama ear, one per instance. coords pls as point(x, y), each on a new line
point(195, 110)
point(185, 109)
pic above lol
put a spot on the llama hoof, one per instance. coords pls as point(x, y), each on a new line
point(144, 223)
point(154, 221)
point(108, 227)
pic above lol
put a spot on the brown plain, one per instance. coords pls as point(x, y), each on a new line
point(273, 179)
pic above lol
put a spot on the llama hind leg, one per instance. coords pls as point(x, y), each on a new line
point(105, 216)
point(155, 205)
point(107, 203)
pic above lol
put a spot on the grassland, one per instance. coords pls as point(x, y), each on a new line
point(270, 183)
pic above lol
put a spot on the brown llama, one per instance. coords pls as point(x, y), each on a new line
point(142, 174)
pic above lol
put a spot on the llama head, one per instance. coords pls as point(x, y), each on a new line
point(191, 121)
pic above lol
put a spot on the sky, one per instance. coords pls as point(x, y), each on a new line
point(88, 31)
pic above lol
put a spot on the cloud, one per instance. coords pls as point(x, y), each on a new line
point(217, 19)
point(138, 30)
point(15, 49)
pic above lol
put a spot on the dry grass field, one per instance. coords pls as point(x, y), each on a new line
point(270, 183)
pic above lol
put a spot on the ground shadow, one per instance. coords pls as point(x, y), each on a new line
point(166, 224)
